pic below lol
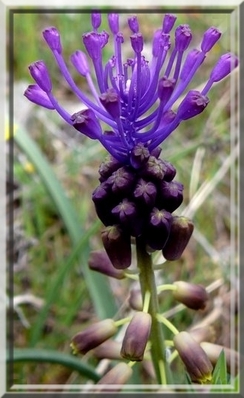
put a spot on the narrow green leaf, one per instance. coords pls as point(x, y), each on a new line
point(220, 375)
point(52, 356)
point(99, 289)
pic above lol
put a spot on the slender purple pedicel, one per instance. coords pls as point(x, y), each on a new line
point(127, 89)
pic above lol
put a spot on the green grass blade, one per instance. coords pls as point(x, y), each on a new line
point(220, 375)
point(99, 289)
point(56, 357)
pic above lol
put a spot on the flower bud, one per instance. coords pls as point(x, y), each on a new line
point(107, 167)
point(86, 123)
point(191, 59)
point(224, 66)
point(52, 37)
point(179, 236)
point(183, 37)
point(96, 20)
point(145, 193)
point(136, 337)
point(118, 375)
point(171, 195)
point(113, 21)
point(110, 349)
point(210, 37)
point(126, 214)
point(168, 22)
point(93, 336)
point(39, 72)
point(99, 261)
point(133, 24)
point(118, 246)
point(158, 229)
point(121, 181)
point(79, 60)
point(135, 300)
point(213, 352)
point(36, 95)
point(137, 42)
point(194, 358)
point(165, 89)
point(192, 105)
point(153, 169)
point(139, 156)
point(111, 102)
point(104, 203)
point(169, 171)
point(191, 295)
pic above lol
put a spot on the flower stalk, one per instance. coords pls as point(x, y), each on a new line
point(147, 281)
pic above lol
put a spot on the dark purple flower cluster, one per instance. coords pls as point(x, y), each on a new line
point(139, 201)
point(133, 97)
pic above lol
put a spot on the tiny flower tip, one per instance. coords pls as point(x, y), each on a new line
point(183, 37)
point(96, 20)
point(52, 37)
point(113, 21)
point(36, 95)
point(39, 72)
point(133, 24)
point(168, 22)
point(210, 37)
point(79, 60)
point(224, 66)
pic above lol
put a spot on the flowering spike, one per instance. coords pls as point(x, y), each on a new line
point(35, 94)
point(136, 337)
point(133, 24)
point(39, 72)
point(96, 20)
point(85, 122)
point(130, 88)
point(79, 60)
point(52, 37)
point(210, 37)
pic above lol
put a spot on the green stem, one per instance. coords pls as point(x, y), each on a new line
point(147, 281)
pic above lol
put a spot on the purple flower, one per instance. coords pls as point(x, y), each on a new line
point(135, 97)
